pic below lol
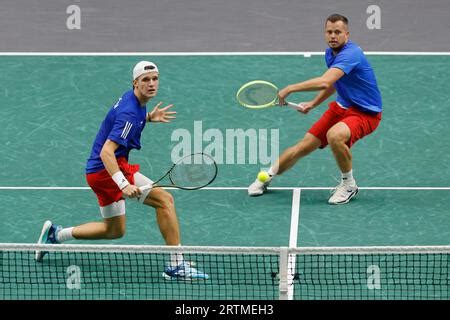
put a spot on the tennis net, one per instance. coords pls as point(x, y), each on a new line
point(127, 272)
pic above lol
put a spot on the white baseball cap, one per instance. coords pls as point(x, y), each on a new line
point(143, 67)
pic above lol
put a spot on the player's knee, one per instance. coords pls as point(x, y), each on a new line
point(331, 137)
point(115, 232)
point(334, 137)
point(165, 199)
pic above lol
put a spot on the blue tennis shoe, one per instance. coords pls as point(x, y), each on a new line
point(184, 271)
point(48, 236)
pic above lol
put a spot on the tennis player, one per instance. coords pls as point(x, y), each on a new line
point(355, 113)
point(113, 179)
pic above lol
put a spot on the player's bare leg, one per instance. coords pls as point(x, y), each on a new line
point(110, 228)
point(291, 155)
point(288, 158)
point(166, 216)
point(177, 267)
point(337, 137)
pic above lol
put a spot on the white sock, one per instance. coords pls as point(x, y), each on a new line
point(347, 178)
point(64, 235)
point(271, 172)
point(176, 258)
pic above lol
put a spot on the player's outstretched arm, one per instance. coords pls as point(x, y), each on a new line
point(324, 82)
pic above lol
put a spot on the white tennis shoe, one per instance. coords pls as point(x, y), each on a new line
point(343, 194)
point(257, 188)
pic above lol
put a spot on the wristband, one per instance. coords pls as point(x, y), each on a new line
point(120, 180)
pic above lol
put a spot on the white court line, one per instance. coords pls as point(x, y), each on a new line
point(295, 217)
point(257, 53)
point(293, 235)
point(236, 188)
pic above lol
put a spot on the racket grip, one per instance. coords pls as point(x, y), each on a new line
point(144, 189)
point(294, 106)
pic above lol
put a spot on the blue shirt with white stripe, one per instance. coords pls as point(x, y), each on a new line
point(358, 87)
point(123, 124)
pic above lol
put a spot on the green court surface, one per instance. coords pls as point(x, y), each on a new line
point(52, 106)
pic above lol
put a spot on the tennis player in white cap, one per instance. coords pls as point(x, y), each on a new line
point(113, 179)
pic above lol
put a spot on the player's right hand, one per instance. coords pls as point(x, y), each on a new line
point(306, 107)
point(131, 191)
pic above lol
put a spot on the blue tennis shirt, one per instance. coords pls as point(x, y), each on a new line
point(358, 87)
point(123, 124)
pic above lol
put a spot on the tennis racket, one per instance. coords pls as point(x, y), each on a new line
point(191, 172)
point(259, 94)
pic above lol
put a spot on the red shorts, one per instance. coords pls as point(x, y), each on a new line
point(360, 123)
point(104, 186)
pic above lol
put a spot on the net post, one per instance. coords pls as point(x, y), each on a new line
point(283, 272)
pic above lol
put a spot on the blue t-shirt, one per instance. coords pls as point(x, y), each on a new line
point(123, 124)
point(358, 87)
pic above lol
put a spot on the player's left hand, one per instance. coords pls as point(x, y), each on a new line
point(282, 94)
point(161, 114)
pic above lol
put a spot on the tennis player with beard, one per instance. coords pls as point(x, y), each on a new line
point(355, 113)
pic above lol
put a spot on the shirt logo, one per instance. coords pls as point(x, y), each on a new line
point(126, 130)
point(117, 103)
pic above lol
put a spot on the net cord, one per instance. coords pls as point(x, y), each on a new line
point(224, 249)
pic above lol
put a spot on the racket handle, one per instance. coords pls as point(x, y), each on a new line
point(294, 106)
point(144, 189)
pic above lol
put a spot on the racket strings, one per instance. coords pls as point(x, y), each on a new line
point(194, 171)
point(257, 94)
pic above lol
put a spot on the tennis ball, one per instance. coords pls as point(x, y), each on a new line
point(263, 176)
